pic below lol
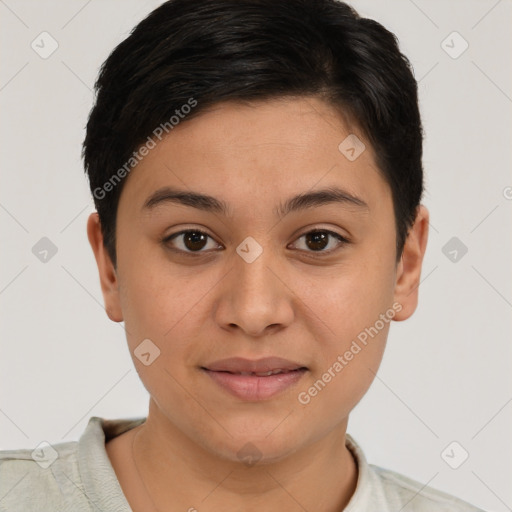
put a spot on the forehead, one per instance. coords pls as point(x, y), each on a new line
point(302, 123)
point(265, 149)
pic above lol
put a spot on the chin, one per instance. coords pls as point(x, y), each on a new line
point(251, 445)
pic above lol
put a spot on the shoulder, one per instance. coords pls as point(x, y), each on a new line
point(382, 489)
point(72, 475)
point(400, 490)
point(44, 478)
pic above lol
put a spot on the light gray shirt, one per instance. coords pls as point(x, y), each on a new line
point(77, 476)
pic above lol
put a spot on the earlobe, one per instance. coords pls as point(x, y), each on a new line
point(107, 273)
point(409, 267)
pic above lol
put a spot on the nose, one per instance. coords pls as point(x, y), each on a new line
point(254, 297)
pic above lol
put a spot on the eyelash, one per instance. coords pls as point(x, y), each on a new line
point(342, 241)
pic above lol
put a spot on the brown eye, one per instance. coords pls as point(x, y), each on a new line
point(317, 241)
point(192, 240)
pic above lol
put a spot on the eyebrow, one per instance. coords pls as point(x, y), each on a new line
point(297, 203)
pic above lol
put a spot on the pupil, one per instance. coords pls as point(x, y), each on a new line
point(195, 240)
point(319, 240)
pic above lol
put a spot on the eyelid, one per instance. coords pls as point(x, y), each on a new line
point(313, 229)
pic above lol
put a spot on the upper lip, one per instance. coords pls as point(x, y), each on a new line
point(240, 364)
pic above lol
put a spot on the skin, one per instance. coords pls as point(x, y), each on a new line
point(292, 301)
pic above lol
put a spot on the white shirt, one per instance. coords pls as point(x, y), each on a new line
point(82, 479)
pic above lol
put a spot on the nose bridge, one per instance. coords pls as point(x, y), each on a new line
point(256, 298)
point(252, 272)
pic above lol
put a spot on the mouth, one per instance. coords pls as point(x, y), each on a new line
point(277, 371)
point(255, 380)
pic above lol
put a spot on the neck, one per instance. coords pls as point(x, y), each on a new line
point(177, 474)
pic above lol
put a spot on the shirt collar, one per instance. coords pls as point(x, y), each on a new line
point(100, 482)
point(103, 489)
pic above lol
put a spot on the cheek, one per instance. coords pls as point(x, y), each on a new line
point(146, 286)
point(167, 305)
point(349, 298)
point(156, 309)
point(353, 308)
point(146, 297)
point(346, 363)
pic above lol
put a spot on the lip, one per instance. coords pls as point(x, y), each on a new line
point(240, 364)
point(227, 374)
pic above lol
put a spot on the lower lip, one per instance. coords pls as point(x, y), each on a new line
point(252, 387)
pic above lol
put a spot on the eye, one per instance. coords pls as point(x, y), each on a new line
point(189, 241)
point(193, 241)
point(318, 239)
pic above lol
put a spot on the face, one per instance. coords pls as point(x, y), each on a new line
point(251, 273)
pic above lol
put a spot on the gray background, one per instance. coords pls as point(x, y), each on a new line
point(446, 373)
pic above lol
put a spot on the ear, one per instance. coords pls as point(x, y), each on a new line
point(409, 267)
point(108, 277)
